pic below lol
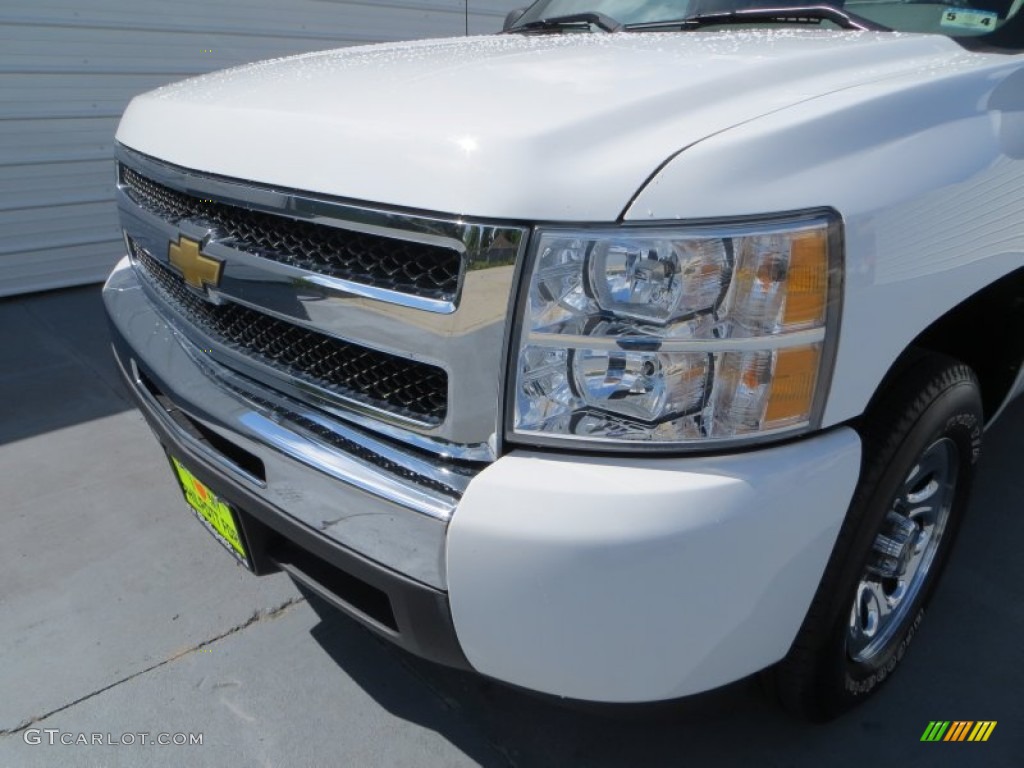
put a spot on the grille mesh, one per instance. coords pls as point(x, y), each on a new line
point(394, 384)
point(418, 269)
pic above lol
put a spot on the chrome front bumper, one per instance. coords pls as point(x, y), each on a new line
point(347, 501)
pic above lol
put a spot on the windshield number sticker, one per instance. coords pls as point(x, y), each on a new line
point(969, 18)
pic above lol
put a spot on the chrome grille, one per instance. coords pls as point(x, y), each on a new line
point(419, 269)
point(279, 318)
point(410, 389)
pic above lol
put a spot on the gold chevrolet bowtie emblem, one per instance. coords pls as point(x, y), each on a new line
point(198, 269)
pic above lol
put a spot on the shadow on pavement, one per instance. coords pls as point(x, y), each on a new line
point(56, 367)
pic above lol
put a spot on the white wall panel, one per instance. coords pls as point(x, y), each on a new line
point(68, 69)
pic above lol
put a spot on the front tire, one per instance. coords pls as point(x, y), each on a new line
point(920, 444)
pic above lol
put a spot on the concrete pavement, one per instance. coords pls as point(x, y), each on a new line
point(119, 615)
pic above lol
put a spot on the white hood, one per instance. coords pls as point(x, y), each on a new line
point(551, 127)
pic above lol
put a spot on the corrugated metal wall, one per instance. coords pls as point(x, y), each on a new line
point(68, 69)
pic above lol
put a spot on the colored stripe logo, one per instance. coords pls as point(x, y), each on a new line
point(959, 730)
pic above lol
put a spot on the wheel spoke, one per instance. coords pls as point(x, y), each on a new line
point(881, 598)
point(929, 490)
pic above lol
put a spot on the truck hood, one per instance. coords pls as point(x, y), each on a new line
point(536, 127)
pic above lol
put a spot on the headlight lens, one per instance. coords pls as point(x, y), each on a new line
point(675, 336)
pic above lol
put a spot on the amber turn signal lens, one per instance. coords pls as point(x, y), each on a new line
point(807, 286)
point(792, 395)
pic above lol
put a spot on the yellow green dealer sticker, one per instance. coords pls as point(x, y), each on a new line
point(212, 511)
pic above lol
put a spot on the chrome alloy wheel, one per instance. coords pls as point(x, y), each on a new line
point(903, 552)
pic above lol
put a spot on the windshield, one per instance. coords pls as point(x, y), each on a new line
point(959, 18)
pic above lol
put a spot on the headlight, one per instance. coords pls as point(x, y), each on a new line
point(676, 336)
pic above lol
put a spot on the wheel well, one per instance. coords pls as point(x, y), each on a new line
point(986, 331)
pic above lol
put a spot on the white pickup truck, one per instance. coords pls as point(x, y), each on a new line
point(621, 355)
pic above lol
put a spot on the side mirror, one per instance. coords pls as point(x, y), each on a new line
point(512, 18)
